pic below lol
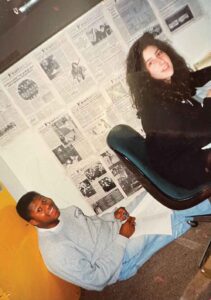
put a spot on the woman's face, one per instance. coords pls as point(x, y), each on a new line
point(158, 63)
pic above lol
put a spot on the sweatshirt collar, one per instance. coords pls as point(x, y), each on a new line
point(56, 228)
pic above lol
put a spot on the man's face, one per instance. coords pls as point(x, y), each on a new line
point(44, 213)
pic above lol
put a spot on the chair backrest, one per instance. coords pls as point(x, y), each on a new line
point(130, 146)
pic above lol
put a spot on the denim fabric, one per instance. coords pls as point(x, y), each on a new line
point(141, 248)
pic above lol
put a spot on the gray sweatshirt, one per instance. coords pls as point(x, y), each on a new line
point(87, 251)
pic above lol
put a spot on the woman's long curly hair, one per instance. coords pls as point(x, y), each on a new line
point(145, 88)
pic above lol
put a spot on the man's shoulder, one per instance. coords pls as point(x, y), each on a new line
point(72, 209)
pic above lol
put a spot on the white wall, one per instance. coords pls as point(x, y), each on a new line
point(10, 181)
point(26, 162)
point(194, 41)
point(37, 169)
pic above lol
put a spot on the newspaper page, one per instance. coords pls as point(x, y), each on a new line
point(132, 18)
point(11, 122)
point(102, 179)
point(97, 186)
point(96, 118)
point(128, 182)
point(118, 92)
point(66, 141)
point(98, 43)
point(178, 13)
point(66, 70)
point(30, 91)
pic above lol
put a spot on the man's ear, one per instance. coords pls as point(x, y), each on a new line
point(33, 222)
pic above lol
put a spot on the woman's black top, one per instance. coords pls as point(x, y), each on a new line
point(175, 133)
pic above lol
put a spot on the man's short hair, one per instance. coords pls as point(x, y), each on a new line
point(22, 206)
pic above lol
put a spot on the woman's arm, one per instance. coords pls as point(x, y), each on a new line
point(209, 94)
point(201, 77)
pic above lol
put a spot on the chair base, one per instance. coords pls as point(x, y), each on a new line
point(201, 218)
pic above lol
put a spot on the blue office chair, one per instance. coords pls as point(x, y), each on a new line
point(130, 146)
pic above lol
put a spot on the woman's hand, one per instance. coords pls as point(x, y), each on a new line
point(209, 93)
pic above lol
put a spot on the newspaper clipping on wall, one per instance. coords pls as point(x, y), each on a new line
point(67, 71)
point(11, 122)
point(30, 91)
point(121, 101)
point(66, 140)
point(96, 118)
point(95, 39)
point(132, 18)
point(78, 141)
point(178, 13)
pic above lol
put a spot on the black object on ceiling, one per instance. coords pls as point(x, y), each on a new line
point(26, 24)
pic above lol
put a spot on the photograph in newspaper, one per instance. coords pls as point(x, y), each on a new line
point(179, 18)
point(66, 141)
point(11, 122)
point(67, 70)
point(126, 179)
point(67, 155)
point(177, 14)
point(97, 186)
point(30, 91)
point(107, 201)
point(132, 18)
point(109, 157)
point(96, 118)
point(97, 42)
point(128, 182)
point(97, 34)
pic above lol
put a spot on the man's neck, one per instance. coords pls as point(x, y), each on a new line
point(54, 224)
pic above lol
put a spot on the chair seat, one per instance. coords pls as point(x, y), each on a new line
point(130, 146)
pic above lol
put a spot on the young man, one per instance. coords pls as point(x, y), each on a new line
point(92, 251)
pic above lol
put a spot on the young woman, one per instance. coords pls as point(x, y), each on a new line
point(176, 125)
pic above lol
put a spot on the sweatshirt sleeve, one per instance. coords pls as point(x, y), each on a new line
point(73, 265)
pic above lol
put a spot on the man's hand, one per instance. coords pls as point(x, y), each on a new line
point(209, 93)
point(128, 228)
point(121, 214)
